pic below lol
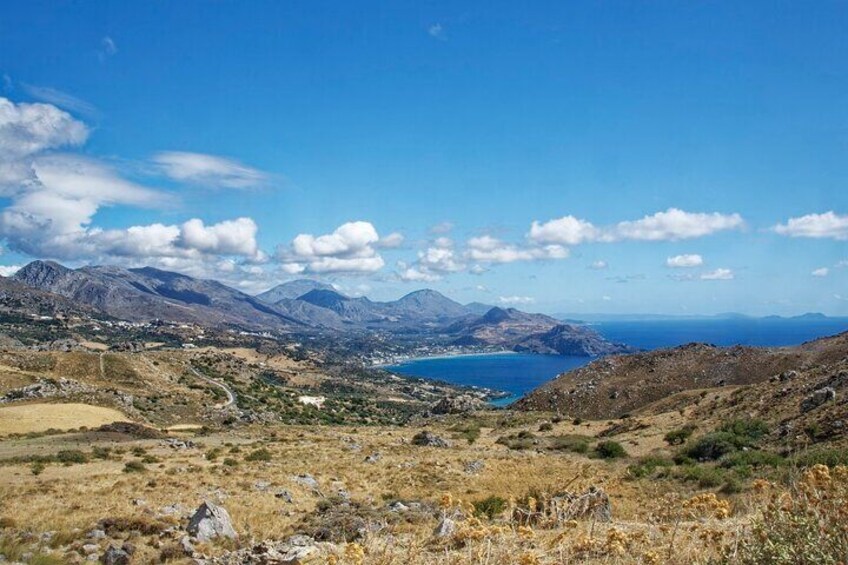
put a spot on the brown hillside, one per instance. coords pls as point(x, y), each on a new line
point(618, 385)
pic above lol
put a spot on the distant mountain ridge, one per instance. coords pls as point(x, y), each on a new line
point(291, 290)
point(146, 294)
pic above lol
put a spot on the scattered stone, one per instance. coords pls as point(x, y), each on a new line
point(284, 495)
point(186, 546)
point(115, 556)
point(429, 439)
point(306, 480)
point(373, 458)
point(46, 388)
point(96, 534)
point(817, 398)
point(262, 486)
point(173, 510)
point(174, 443)
point(446, 528)
point(211, 521)
point(128, 547)
point(90, 548)
point(457, 405)
point(474, 467)
point(295, 551)
point(398, 506)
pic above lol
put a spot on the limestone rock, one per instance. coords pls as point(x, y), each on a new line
point(211, 521)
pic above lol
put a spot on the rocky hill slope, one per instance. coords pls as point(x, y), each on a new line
point(625, 384)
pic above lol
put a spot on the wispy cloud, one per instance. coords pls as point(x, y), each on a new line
point(208, 170)
point(598, 265)
point(437, 31)
point(61, 99)
point(719, 274)
point(107, 49)
point(821, 272)
point(512, 300)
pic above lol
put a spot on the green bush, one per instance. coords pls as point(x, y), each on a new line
point(260, 454)
point(679, 436)
point(37, 467)
point(712, 446)
point(469, 431)
point(71, 456)
point(645, 466)
point(754, 459)
point(706, 476)
point(610, 450)
point(572, 442)
point(546, 427)
point(730, 437)
point(230, 462)
point(134, 467)
point(831, 457)
point(747, 430)
point(490, 507)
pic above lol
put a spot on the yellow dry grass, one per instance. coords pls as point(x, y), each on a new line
point(40, 417)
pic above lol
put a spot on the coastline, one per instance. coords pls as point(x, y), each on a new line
point(443, 356)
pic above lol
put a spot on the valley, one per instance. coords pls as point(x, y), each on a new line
point(119, 435)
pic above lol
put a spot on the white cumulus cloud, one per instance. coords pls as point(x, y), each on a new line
point(351, 248)
point(675, 224)
point(684, 261)
point(821, 272)
point(567, 230)
point(820, 226)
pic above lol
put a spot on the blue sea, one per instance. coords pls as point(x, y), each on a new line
point(518, 373)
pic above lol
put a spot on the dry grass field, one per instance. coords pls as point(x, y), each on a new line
point(40, 417)
point(145, 488)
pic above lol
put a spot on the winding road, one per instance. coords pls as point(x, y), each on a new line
point(231, 396)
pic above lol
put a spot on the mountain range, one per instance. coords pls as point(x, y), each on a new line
point(299, 306)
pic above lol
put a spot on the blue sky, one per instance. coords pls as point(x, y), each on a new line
point(675, 157)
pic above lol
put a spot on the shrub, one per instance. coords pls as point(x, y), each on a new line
point(470, 431)
point(679, 436)
point(490, 507)
point(71, 456)
point(574, 443)
point(610, 450)
point(807, 526)
point(746, 430)
point(101, 452)
point(134, 467)
point(754, 459)
point(646, 466)
point(712, 446)
point(230, 462)
point(577, 421)
point(37, 467)
point(706, 476)
point(260, 454)
point(831, 457)
point(546, 427)
point(515, 441)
